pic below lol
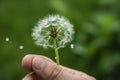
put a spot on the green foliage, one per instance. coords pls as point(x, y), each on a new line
point(96, 40)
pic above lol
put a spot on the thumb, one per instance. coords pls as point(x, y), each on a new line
point(45, 69)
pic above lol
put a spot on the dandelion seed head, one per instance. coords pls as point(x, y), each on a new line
point(64, 31)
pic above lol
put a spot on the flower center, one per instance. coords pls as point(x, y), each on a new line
point(53, 32)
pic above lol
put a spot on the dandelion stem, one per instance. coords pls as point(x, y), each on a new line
point(56, 52)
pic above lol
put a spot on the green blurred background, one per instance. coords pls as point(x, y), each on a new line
point(96, 42)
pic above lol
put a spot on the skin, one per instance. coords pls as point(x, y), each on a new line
point(43, 68)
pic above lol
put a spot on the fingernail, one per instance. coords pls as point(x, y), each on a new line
point(38, 63)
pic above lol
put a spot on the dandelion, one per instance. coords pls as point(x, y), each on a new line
point(53, 31)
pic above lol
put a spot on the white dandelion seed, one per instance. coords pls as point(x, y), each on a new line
point(55, 26)
point(7, 39)
point(21, 47)
point(72, 45)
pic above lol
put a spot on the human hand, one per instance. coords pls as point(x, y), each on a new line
point(43, 68)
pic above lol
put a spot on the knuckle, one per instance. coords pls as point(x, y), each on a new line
point(55, 73)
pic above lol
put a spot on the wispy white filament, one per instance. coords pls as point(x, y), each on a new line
point(40, 32)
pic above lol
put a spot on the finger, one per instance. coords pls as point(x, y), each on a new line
point(48, 70)
point(27, 61)
point(30, 76)
point(44, 68)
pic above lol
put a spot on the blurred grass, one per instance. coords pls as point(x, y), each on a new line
point(96, 40)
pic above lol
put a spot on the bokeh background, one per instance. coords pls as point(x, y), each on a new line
point(96, 41)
